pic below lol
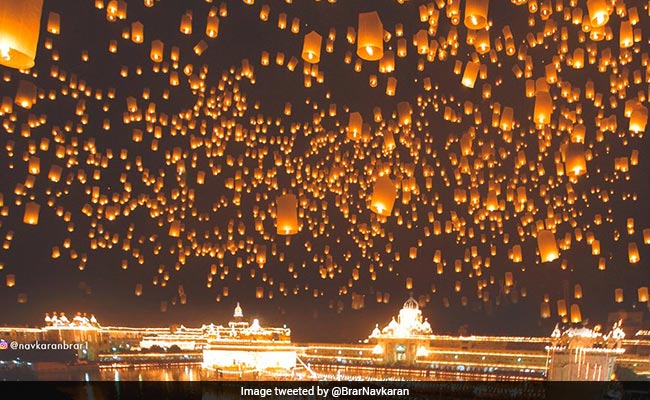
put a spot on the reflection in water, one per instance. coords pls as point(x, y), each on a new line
point(167, 373)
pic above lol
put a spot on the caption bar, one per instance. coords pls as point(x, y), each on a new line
point(334, 391)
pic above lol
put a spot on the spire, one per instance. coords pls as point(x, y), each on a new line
point(238, 312)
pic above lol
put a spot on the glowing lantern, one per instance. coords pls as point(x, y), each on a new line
point(32, 210)
point(476, 12)
point(577, 291)
point(482, 42)
point(175, 229)
point(355, 126)
point(633, 253)
point(387, 62)
point(470, 74)
point(383, 196)
point(26, 94)
point(492, 202)
point(157, 48)
point(508, 279)
point(20, 23)
point(618, 295)
point(545, 310)
point(598, 13)
point(547, 246)
point(137, 32)
point(638, 119)
point(138, 289)
point(404, 112)
point(212, 26)
point(287, 214)
point(575, 163)
point(311, 47)
point(370, 45)
point(34, 165)
point(413, 253)
point(259, 292)
point(543, 107)
point(626, 36)
point(186, 23)
point(54, 23)
point(576, 316)
point(10, 280)
point(391, 85)
point(409, 283)
point(642, 293)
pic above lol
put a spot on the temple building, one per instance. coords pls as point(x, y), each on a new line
point(244, 347)
point(578, 354)
point(405, 339)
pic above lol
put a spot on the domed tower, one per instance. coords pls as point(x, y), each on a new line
point(410, 317)
point(238, 315)
point(238, 319)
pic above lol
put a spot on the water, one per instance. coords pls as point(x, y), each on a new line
point(189, 373)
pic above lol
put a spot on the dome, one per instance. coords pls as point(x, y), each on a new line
point(426, 326)
point(376, 332)
point(238, 312)
point(392, 326)
point(411, 304)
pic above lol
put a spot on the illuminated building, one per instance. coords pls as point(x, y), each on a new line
point(243, 346)
point(584, 354)
point(404, 339)
point(405, 348)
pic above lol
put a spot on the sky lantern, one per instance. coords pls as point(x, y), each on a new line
point(54, 23)
point(638, 118)
point(32, 210)
point(370, 37)
point(175, 229)
point(476, 14)
point(561, 308)
point(633, 253)
point(482, 41)
point(137, 32)
point(355, 126)
point(576, 315)
point(404, 112)
point(545, 310)
point(642, 294)
point(26, 94)
point(311, 47)
point(20, 23)
point(470, 74)
point(626, 35)
point(598, 12)
point(157, 48)
point(212, 26)
point(287, 214)
point(618, 295)
point(575, 163)
point(543, 107)
point(547, 246)
point(383, 196)
point(577, 291)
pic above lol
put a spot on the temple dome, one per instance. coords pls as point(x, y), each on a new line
point(238, 312)
point(411, 304)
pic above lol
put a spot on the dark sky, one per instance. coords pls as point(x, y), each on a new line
point(312, 152)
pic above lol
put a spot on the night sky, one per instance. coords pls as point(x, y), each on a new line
point(232, 129)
